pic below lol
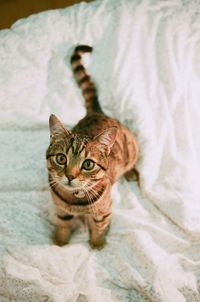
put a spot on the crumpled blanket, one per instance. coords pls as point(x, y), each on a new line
point(146, 65)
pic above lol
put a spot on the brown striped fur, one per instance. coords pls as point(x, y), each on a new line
point(84, 163)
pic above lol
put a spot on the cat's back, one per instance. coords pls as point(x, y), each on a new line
point(95, 123)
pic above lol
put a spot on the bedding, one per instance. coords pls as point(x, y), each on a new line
point(147, 68)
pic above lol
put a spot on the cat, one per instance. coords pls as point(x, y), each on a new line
point(84, 163)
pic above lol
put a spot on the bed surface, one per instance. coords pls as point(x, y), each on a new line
point(147, 68)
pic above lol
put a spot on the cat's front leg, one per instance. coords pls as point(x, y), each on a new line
point(64, 228)
point(99, 226)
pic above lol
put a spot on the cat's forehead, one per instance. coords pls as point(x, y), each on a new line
point(78, 143)
point(79, 138)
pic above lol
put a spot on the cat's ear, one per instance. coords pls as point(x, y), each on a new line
point(107, 138)
point(57, 130)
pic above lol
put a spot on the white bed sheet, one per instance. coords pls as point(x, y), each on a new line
point(147, 67)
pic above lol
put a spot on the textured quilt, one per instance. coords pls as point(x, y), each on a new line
point(146, 65)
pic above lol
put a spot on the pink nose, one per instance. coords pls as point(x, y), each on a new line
point(70, 177)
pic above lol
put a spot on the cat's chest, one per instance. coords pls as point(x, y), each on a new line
point(71, 198)
point(81, 202)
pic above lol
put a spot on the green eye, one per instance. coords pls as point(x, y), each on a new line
point(61, 159)
point(88, 164)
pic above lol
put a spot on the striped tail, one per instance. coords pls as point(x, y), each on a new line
point(84, 80)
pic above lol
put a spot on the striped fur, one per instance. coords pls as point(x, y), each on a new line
point(84, 163)
point(84, 80)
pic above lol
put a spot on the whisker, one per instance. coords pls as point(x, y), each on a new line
point(87, 196)
point(53, 184)
point(93, 195)
point(90, 201)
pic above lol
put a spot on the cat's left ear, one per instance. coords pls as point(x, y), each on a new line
point(107, 138)
point(57, 129)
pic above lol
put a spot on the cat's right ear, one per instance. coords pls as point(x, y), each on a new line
point(57, 129)
point(107, 138)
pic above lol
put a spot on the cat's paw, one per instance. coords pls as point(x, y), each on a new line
point(61, 237)
point(98, 244)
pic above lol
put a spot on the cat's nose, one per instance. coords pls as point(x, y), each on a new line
point(70, 177)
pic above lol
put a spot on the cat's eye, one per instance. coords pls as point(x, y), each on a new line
point(61, 159)
point(88, 164)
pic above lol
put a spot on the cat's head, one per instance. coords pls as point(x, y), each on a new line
point(77, 161)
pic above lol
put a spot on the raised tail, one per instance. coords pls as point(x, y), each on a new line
point(84, 80)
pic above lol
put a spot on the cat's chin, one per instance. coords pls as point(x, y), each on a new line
point(79, 194)
point(76, 191)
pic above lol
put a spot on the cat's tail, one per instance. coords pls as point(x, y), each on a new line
point(84, 80)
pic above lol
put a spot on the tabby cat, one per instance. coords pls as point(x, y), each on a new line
point(84, 163)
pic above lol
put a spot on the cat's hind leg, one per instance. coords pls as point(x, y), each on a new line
point(132, 175)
